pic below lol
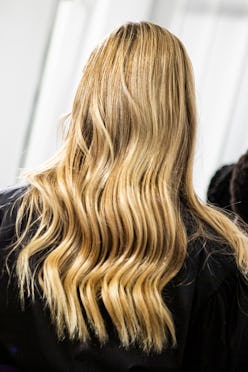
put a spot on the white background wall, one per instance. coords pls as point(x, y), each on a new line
point(25, 27)
point(40, 78)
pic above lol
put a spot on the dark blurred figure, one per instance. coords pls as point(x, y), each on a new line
point(228, 188)
point(219, 188)
point(239, 188)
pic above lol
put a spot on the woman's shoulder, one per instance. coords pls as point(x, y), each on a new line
point(214, 265)
point(9, 201)
point(210, 251)
point(219, 316)
point(10, 194)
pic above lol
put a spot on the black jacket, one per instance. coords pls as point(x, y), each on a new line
point(208, 299)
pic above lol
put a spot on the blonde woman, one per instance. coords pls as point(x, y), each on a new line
point(109, 260)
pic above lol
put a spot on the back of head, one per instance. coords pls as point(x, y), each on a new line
point(134, 109)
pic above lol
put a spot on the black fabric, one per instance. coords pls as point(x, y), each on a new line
point(239, 187)
point(208, 300)
point(219, 187)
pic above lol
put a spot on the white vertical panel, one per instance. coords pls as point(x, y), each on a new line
point(24, 31)
point(178, 17)
point(218, 92)
point(236, 140)
point(57, 87)
point(163, 11)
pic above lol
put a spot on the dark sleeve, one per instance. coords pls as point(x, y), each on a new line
point(8, 198)
point(9, 201)
point(218, 332)
point(238, 326)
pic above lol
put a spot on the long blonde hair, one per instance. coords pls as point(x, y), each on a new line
point(108, 226)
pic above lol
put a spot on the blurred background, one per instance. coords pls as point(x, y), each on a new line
point(45, 43)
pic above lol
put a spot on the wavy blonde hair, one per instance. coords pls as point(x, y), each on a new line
point(109, 229)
